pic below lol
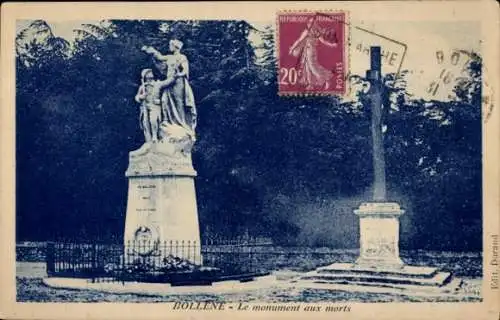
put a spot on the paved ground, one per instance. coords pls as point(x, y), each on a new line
point(30, 288)
point(31, 270)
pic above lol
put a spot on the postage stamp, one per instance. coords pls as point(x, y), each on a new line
point(312, 53)
point(249, 160)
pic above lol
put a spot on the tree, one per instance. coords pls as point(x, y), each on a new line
point(265, 163)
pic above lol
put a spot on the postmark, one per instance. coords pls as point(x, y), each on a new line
point(487, 102)
point(452, 68)
point(361, 39)
point(311, 51)
point(393, 51)
point(455, 71)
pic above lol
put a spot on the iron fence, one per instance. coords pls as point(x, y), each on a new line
point(167, 261)
point(177, 261)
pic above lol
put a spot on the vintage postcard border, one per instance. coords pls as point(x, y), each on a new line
point(484, 10)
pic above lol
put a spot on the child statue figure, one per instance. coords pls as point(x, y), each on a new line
point(149, 96)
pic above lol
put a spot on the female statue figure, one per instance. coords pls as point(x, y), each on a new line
point(178, 105)
point(313, 74)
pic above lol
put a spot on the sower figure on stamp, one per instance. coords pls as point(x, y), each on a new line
point(177, 99)
point(311, 73)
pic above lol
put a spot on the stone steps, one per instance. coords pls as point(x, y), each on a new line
point(405, 271)
point(352, 274)
point(451, 289)
point(440, 279)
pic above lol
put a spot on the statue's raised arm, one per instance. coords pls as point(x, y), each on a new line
point(154, 53)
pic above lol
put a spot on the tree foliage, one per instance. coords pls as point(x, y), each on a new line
point(265, 163)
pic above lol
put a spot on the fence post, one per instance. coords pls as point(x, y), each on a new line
point(93, 262)
point(49, 258)
point(183, 245)
point(251, 249)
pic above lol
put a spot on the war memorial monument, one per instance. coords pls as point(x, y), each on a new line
point(234, 162)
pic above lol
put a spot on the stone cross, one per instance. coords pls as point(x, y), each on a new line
point(379, 220)
point(375, 97)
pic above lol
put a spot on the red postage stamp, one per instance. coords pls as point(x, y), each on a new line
point(311, 53)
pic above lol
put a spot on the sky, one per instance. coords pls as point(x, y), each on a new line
point(62, 29)
point(424, 41)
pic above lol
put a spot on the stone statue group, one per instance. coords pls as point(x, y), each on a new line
point(167, 106)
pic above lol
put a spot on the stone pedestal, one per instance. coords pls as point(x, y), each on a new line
point(162, 216)
point(379, 264)
point(379, 235)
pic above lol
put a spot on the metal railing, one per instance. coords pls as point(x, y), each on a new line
point(156, 261)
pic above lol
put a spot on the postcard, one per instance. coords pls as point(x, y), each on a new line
point(196, 160)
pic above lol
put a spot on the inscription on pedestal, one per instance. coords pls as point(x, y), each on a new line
point(379, 235)
point(145, 196)
point(380, 247)
point(164, 209)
